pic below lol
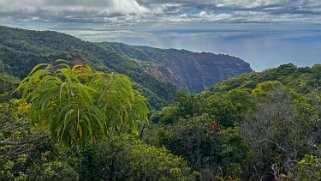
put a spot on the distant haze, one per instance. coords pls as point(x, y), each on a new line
point(262, 46)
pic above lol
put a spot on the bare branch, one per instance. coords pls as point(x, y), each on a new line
point(29, 142)
point(13, 127)
point(21, 149)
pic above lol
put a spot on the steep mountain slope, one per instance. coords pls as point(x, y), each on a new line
point(20, 50)
point(154, 70)
point(190, 71)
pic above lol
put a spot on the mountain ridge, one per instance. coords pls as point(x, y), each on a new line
point(21, 50)
point(187, 70)
point(156, 71)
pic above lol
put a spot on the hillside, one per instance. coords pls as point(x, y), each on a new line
point(20, 50)
point(154, 70)
point(249, 125)
point(189, 71)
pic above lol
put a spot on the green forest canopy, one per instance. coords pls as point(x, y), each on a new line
point(254, 126)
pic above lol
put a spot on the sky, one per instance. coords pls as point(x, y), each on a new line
point(265, 33)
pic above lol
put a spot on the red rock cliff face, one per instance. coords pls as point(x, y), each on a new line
point(189, 71)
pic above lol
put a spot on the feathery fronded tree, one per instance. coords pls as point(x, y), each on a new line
point(79, 105)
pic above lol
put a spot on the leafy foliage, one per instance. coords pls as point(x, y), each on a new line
point(204, 146)
point(25, 155)
point(22, 148)
point(79, 105)
point(309, 168)
point(7, 85)
point(126, 158)
point(268, 121)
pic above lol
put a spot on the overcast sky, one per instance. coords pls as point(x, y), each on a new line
point(265, 33)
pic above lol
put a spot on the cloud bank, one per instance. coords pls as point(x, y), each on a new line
point(129, 11)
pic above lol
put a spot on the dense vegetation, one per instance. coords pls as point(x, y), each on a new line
point(21, 50)
point(254, 126)
point(80, 123)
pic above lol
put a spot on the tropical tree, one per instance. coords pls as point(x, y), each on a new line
point(79, 105)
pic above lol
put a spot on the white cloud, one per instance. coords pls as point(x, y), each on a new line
point(56, 7)
point(137, 11)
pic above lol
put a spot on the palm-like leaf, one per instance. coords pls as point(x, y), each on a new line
point(79, 105)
